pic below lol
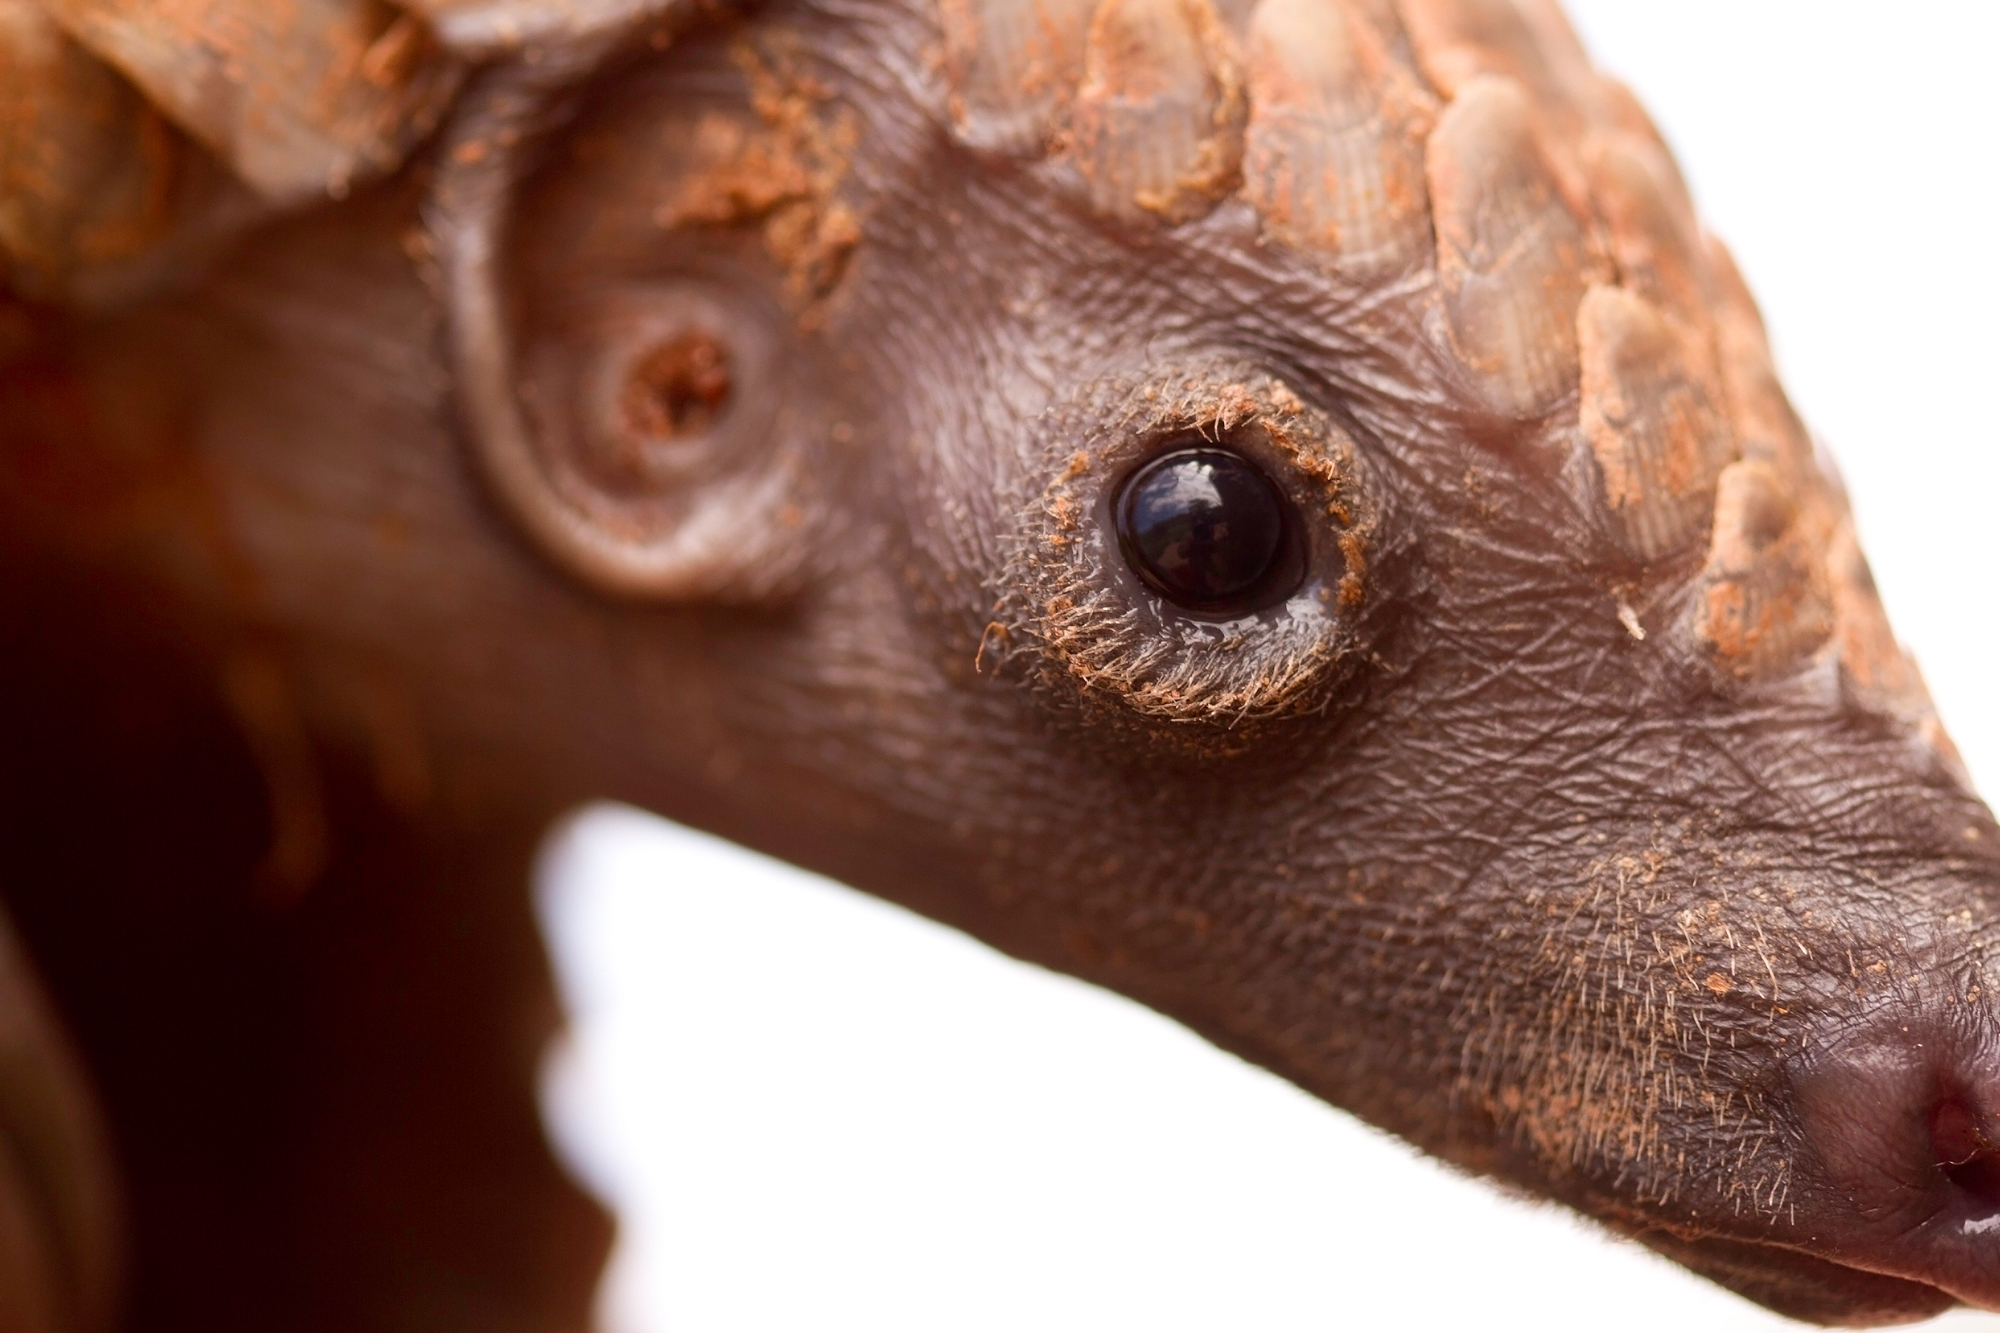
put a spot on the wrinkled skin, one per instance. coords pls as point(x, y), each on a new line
point(333, 578)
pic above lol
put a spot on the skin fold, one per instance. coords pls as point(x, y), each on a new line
point(726, 413)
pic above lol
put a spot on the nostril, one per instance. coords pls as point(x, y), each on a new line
point(1965, 1150)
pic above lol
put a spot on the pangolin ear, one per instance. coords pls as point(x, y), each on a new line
point(632, 404)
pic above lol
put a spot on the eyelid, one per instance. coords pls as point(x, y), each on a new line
point(1077, 621)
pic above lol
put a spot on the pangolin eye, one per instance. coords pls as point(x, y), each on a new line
point(1207, 530)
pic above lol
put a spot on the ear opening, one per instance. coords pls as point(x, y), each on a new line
point(631, 424)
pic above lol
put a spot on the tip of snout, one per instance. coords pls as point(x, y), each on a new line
point(1902, 1126)
point(1965, 1148)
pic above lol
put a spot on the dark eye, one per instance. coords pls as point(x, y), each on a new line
point(1208, 531)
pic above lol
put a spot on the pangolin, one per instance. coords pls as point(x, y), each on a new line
point(1275, 506)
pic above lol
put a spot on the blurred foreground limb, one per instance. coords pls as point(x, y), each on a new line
point(59, 1249)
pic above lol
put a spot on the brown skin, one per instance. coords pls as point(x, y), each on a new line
point(1684, 930)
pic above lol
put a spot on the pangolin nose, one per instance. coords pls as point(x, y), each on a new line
point(1901, 1124)
point(1964, 1137)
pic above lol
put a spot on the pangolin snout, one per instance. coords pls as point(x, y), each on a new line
point(1965, 1141)
point(1900, 1126)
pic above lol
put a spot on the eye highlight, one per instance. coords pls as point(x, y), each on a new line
point(1207, 530)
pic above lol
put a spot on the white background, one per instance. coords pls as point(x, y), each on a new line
point(816, 1112)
